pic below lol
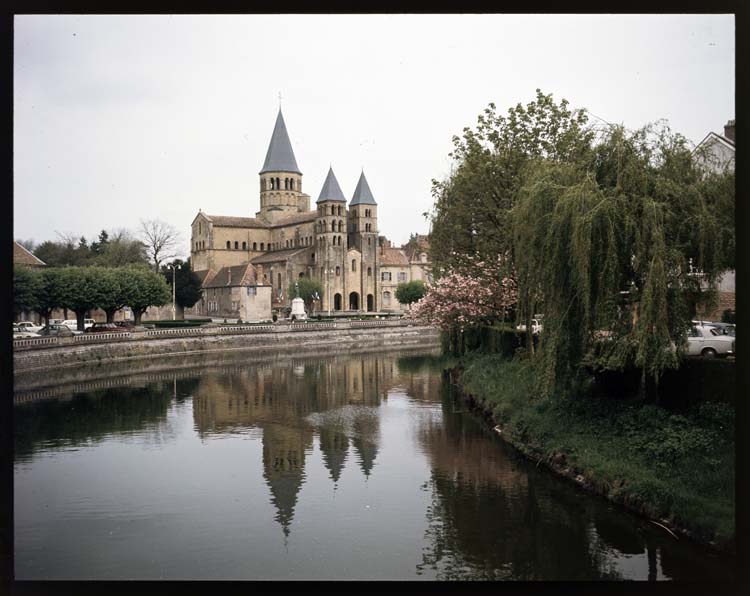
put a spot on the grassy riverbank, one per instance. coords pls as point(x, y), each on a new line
point(671, 467)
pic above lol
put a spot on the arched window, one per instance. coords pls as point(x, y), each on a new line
point(236, 245)
point(339, 210)
point(229, 245)
point(255, 246)
point(279, 280)
point(262, 248)
point(369, 272)
point(354, 265)
point(286, 183)
point(333, 225)
point(302, 274)
point(338, 270)
point(278, 183)
point(340, 226)
point(332, 209)
point(291, 183)
point(272, 183)
point(244, 246)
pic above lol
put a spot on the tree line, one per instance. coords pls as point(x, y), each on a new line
point(601, 228)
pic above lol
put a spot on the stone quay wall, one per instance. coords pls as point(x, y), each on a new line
point(30, 356)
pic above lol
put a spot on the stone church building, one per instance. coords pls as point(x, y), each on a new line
point(336, 243)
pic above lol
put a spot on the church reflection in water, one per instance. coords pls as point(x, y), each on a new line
point(334, 400)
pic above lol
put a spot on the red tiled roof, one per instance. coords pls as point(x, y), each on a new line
point(393, 256)
point(21, 256)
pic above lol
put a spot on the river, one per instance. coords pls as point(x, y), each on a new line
point(333, 467)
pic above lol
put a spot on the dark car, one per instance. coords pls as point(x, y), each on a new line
point(57, 330)
point(125, 324)
point(105, 328)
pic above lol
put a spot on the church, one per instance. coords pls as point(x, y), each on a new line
point(247, 264)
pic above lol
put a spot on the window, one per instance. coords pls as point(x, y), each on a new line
point(286, 183)
point(236, 245)
point(279, 280)
point(341, 226)
point(255, 246)
point(244, 245)
point(252, 290)
point(386, 298)
point(262, 247)
point(385, 276)
point(278, 183)
point(272, 183)
point(369, 272)
point(369, 241)
point(339, 212)
point(402, 277)
point(354, 265)
point(229, 245)
point(338, 270)
point(291, 183)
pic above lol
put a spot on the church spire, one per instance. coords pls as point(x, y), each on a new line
point(280, 157)
point(331, 190)
point(362, 194)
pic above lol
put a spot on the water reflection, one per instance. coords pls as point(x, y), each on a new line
point(383, 431)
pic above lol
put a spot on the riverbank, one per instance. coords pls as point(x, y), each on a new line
point(676, 470)
point(310, 338)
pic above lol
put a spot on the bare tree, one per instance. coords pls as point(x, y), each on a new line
point(161, 241)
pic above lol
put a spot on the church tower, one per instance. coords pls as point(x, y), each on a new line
point(330, 249)
point(280, 178)
point(363, 236)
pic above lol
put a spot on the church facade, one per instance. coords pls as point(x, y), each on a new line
point(336, 243)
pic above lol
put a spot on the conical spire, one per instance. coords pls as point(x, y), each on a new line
point(331, 190)
point(362, 194)
point(280, 157)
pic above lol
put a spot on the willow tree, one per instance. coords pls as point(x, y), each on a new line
point(607, 243)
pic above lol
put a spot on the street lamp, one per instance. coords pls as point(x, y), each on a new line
point(174, 293)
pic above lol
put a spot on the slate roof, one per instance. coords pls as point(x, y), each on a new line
point(280, 157)
point(227, 221)
point(331, 190)
point(393, 256)
point(278, 255)
point(21, 256)
point(237, 275)
point(362, 194)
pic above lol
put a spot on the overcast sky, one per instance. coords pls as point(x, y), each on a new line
point(123, 118)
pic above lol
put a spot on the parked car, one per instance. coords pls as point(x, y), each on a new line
point(536, 326)
point(73, 323)
point(58, 330)
point(726, 328)
point(709, 342)
point(125, 324)
point(28, 326)
point(105, 328)
point(21, 333)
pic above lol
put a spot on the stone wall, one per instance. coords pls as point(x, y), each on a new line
point(299, 338)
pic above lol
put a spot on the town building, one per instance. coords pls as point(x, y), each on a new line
point(336, 243)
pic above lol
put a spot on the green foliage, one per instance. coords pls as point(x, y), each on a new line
point(26, 287)
point(471, 213)
point(410, 292)
point(145, 288)
point(113, 249)
point(187, 284)
point(308, 289)
point(681, 465)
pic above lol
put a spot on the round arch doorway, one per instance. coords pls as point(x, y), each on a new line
point(337, 302)
point(354, 301)
point(370, 303)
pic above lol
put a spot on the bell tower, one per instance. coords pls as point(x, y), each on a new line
point(280, 178)
point(330, 246)
point(363, 235)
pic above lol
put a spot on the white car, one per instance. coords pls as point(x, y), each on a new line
point(709, 342)
point(536, 327)
point(73, 324)
point(21, 333)
point(28, 326)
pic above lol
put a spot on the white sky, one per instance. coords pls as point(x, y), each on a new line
point(122, 118)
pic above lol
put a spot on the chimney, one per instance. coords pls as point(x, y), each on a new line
point(729, 130)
